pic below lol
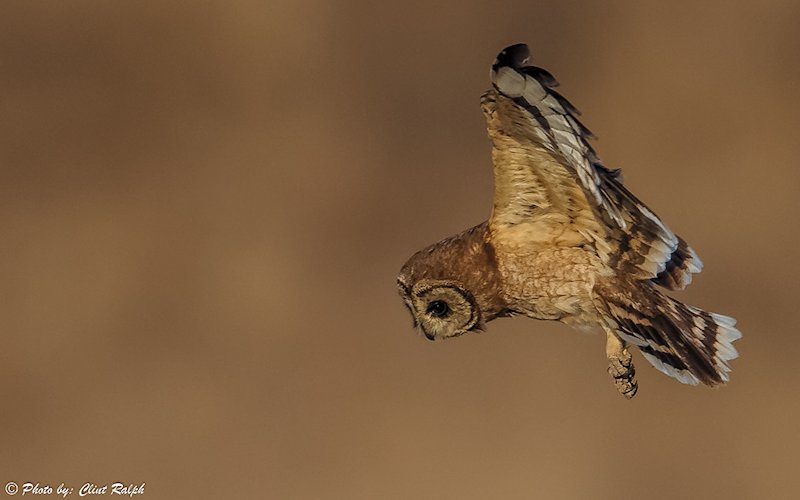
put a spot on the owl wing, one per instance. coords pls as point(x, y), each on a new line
point(545, 168)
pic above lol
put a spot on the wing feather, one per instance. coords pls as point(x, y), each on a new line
point(512, 78)
point(543, 161)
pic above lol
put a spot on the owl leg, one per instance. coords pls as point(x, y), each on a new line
point(620, 365)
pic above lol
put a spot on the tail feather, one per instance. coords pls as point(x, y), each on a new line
point(684, 342)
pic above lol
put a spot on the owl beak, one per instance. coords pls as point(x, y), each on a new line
point(428, 336)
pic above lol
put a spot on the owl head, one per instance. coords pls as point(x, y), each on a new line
point(441, 308)
point(452, 287)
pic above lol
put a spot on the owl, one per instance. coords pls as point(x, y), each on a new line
point(566, 241)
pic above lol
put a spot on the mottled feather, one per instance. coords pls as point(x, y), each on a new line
point(642, 244)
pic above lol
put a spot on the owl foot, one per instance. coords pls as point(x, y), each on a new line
point(620, 366)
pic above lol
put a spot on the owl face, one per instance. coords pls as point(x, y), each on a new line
point(441, 308)
point(453, 287)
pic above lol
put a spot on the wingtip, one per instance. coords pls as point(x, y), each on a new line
point(514, 56)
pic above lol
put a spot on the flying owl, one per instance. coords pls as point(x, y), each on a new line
point(566, 241)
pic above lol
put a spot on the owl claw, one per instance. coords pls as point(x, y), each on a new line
point(626, 387)
point(620, 366)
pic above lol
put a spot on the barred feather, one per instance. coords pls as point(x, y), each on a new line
point(558, 126)
point(684, 342)
point(646, 247)
point(677, 273)
point(649, 249)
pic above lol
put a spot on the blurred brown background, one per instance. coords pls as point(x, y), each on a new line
point(203, 208)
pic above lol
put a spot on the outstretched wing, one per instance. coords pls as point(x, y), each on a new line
point(545, 167)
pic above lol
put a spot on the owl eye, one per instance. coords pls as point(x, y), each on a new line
point(438, 308)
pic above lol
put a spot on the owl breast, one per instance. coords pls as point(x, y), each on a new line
point(552, 283)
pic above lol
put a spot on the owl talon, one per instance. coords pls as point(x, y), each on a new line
point(620, 366)
point(626, 387)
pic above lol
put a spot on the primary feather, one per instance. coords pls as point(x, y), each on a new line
point(644, 245)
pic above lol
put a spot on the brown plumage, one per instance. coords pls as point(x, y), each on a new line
point(566, 241)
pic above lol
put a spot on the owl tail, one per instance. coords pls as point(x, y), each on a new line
point(682, 341)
